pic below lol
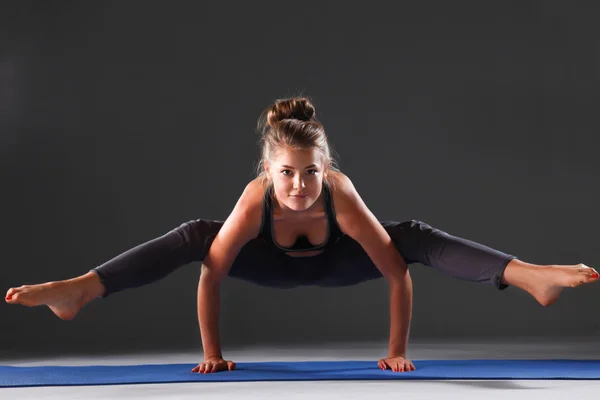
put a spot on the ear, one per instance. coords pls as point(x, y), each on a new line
point(267, 168)
point(326, 169)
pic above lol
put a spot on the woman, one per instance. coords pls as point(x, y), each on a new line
point(301, 222)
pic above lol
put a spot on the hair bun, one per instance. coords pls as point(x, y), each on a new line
point(299, 108)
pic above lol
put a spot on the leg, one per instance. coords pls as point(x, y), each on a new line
point(418, 242)
point(546, 282)
point(138, 266)
point(463, 259)
point(451, 255)
point(148, 262)
point(159, 257)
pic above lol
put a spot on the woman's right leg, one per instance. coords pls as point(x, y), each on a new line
point(141, 265)
point(158, 257)
point(258, 262)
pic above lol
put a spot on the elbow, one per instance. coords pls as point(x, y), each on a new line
point(400, 277)
point(210, 277)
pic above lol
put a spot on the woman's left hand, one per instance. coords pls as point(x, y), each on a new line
point(396, 364)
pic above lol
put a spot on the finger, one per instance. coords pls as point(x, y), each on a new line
point(230, 365)
point(401, 367)
point(214, 368)
point(205, 368)
point(382, 365)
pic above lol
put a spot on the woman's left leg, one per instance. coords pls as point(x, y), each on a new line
point(418, 242)
point(464, 259)
point(451, 255)
point(458, 258)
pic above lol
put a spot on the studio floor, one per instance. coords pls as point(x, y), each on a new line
point(526, 348)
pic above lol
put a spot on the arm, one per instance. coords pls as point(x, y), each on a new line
point(242, 225)
point(400, 316)
point(358, 222)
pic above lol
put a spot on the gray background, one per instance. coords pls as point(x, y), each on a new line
point(121, 120)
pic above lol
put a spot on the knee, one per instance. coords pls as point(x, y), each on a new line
point(198, 235)
point(411, 229)
point(416, 240)
point(424, 230)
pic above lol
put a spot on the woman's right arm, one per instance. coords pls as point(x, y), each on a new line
point(242, 225)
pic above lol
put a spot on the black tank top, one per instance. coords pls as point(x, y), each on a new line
point(302, 244)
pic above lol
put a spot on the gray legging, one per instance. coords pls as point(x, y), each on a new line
point(344, 264)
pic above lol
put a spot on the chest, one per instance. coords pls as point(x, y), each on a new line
point(286, 230)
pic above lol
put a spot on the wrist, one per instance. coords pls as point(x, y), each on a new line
point(396, 354)
point(396, 351)
point(212, 355)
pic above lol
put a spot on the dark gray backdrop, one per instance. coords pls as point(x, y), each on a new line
point(121, 120)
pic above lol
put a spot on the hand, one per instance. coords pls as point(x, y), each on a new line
point(396, 364)
point(214, 364)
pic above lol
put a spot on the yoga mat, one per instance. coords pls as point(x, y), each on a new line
point(11, 376)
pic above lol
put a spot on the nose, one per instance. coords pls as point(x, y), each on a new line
point(298, 183)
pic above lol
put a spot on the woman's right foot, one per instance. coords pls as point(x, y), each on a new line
point(64, 298)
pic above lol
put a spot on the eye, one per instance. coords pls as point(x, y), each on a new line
point(311, 171)
point(284, 172)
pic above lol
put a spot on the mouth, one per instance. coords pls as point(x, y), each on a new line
point(299, 196)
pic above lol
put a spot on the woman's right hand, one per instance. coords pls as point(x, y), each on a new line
point(214, 364)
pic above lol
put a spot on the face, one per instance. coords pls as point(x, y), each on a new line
point(297, 176)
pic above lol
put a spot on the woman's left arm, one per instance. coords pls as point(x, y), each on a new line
point(358, 222)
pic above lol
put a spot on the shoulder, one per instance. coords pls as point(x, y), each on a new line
point(253, 192)
point(347, 202)
point(250, 202)
point(246, 217)
point(342, 189)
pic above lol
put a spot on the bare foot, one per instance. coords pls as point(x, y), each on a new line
point(64, 298)
point(552, 279)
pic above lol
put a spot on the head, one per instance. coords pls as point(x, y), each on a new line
point(295, 153)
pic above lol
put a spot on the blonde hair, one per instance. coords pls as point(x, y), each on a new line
point(292, 123)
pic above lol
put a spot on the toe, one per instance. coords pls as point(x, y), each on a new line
point(592, 273)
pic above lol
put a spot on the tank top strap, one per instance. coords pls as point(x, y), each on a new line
point(334, 229)
point(267, 204)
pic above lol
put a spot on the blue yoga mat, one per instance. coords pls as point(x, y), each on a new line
point(298, 371)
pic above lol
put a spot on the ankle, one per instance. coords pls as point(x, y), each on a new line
point(89, 284)
point(519, 273)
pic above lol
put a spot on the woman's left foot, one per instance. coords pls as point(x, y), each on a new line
point(552, 279)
